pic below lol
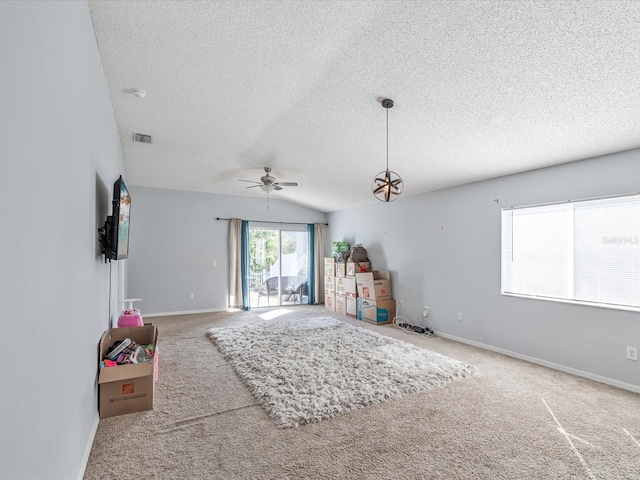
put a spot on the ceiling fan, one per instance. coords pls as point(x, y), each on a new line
point(268, 183)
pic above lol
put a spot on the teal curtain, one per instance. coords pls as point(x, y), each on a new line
point(311, 269)
point(246, 300)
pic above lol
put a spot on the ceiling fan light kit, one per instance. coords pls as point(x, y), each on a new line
point(387, 186)
point(268, 184)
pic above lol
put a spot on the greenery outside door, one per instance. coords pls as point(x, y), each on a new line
point(278, 265)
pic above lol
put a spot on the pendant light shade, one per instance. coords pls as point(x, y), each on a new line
point(387, 185)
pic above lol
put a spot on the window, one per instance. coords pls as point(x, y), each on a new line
point(585, 251)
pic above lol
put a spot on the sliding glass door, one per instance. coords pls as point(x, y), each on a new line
point(278, 265)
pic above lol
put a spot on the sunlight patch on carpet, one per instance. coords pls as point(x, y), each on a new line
point(271, 314)
point(304, 371)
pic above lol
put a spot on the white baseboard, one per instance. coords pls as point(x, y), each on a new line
point(544, 363)
point(87, 450)
point(186, 312)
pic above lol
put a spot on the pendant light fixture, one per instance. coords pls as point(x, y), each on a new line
point(387, 185)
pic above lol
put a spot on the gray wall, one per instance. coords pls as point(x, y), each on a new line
point(443, 249)
point(175, 238)
point(60, 154)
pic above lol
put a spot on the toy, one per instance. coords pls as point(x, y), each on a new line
point(130, 317)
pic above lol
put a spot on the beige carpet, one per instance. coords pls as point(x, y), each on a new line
point(513, 420)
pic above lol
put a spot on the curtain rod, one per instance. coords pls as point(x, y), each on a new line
point(264, 221)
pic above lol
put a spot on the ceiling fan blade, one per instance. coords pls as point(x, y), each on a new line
point(254, 186)
point(286, 184)
point(250, 181)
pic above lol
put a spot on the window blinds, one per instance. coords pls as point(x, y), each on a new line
point(583, 251)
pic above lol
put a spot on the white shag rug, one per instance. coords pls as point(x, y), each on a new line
point(304, 371)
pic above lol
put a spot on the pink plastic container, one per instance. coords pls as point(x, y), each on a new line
point(130, 318)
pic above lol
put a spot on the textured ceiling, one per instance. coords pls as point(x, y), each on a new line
point(481, 89)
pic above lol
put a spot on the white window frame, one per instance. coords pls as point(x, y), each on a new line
point(519, 281)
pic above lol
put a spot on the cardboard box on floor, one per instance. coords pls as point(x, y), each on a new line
point(341, 304)
point(330, 301)
point(376, 311)
point(374, 285)
point(127, 388)
point(352, 306)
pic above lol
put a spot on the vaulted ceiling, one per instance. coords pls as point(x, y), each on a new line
point(481, 89)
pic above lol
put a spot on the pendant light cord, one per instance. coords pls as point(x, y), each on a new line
point(387, 138)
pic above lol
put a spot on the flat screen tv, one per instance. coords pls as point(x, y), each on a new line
point(115, 233)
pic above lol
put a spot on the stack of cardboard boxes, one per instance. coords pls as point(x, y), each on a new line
point(352, 290)
point(340, 290)
point(330, 284)
point(375, 304)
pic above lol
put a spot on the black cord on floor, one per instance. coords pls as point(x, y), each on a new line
point(404, 324)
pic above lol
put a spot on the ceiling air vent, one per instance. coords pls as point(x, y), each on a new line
point(141, 138)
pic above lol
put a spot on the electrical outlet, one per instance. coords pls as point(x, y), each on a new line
point(425, 312)
point(215, 263)
point(460, 316)
point(191, 296)
point(401, 303)
point(632, 353)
